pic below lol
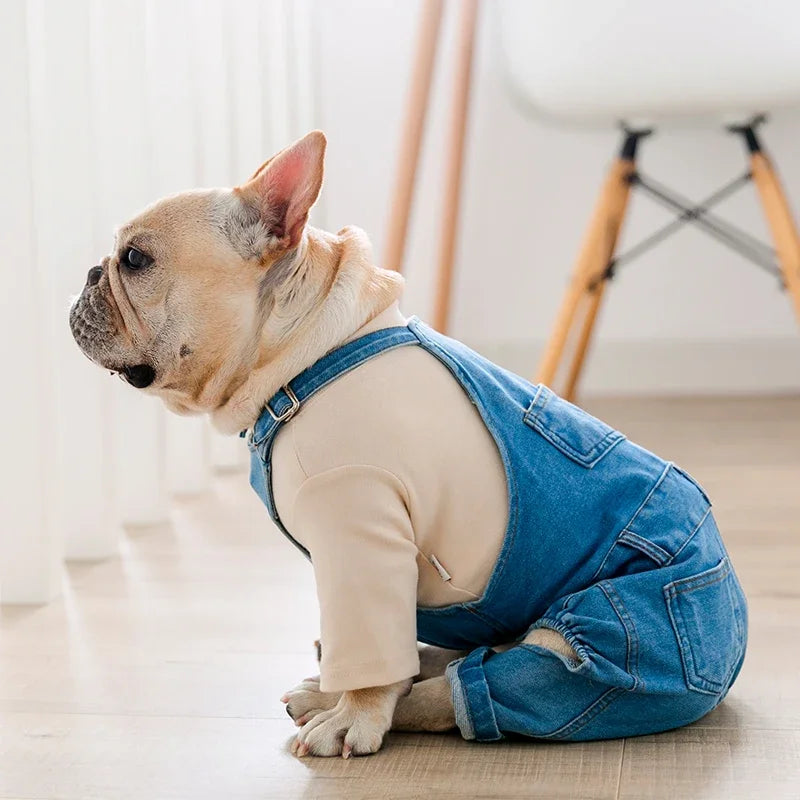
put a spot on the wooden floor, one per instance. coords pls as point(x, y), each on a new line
point(158, 675)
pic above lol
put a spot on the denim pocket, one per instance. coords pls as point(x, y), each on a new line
point(578, 435)
point(707, 619)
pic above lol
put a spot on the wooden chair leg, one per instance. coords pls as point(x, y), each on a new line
point(455, 160)
point(595, 256)
point(781, 223)
point(411, 141)
point(595, 296)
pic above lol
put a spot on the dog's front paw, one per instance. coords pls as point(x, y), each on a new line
point(305, 701)
point(343, 730)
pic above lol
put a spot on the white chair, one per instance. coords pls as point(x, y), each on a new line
point(635, 64)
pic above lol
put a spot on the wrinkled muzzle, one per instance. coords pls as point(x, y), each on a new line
point(94, 328)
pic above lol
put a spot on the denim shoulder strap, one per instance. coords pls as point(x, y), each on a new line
point(286, 402)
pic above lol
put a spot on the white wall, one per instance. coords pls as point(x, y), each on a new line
point(688, 316)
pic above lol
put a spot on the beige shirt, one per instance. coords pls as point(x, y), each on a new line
point(390, 479)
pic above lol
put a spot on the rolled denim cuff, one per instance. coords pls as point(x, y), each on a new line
point(472, 703)
point(463, 719)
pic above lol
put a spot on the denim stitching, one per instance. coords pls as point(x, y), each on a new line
point(630, 522)
point(589, 458)
point(529, 414)
point(661, 556)
point(541, 388)
point(734, 604)
point(632, 656)
point(585, 717)
point(461, 710)
point(649, 496)
point(692, 534)
point(601, 703)
point(705, 579)
point(599, 570)
point(694, 680)
point(651, 549)
point(693, 482)
point(473, 681)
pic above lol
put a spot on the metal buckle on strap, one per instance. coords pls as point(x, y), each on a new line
point(291, 411)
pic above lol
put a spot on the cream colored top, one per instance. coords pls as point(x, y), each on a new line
point(390, 479)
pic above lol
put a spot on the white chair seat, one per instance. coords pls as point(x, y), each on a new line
point(642, 60)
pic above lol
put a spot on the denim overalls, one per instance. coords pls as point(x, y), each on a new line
point(606, 543)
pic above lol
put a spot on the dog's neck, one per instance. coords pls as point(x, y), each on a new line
point(331, 290)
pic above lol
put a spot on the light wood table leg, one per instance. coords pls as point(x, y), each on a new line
point(593, 259)
point(781, 223)
point(455, 161)
point(411, 140)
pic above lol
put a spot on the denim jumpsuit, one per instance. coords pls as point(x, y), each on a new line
point(606, 543)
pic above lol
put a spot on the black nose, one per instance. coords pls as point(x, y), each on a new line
point(95, 273)
point(140, 375)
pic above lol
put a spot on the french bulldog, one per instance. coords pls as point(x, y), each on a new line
point(214, 299)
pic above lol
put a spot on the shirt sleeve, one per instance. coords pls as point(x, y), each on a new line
point(354, 521)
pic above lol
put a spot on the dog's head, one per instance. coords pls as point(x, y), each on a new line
point(184, 294)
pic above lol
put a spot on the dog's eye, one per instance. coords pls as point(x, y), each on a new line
point(136, 259)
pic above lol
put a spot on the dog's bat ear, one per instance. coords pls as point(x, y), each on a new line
point(284, 188)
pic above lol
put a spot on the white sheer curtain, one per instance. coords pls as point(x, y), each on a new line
point(107, 105)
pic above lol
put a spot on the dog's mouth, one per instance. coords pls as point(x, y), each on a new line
point(139, 375)
point(93, 332)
